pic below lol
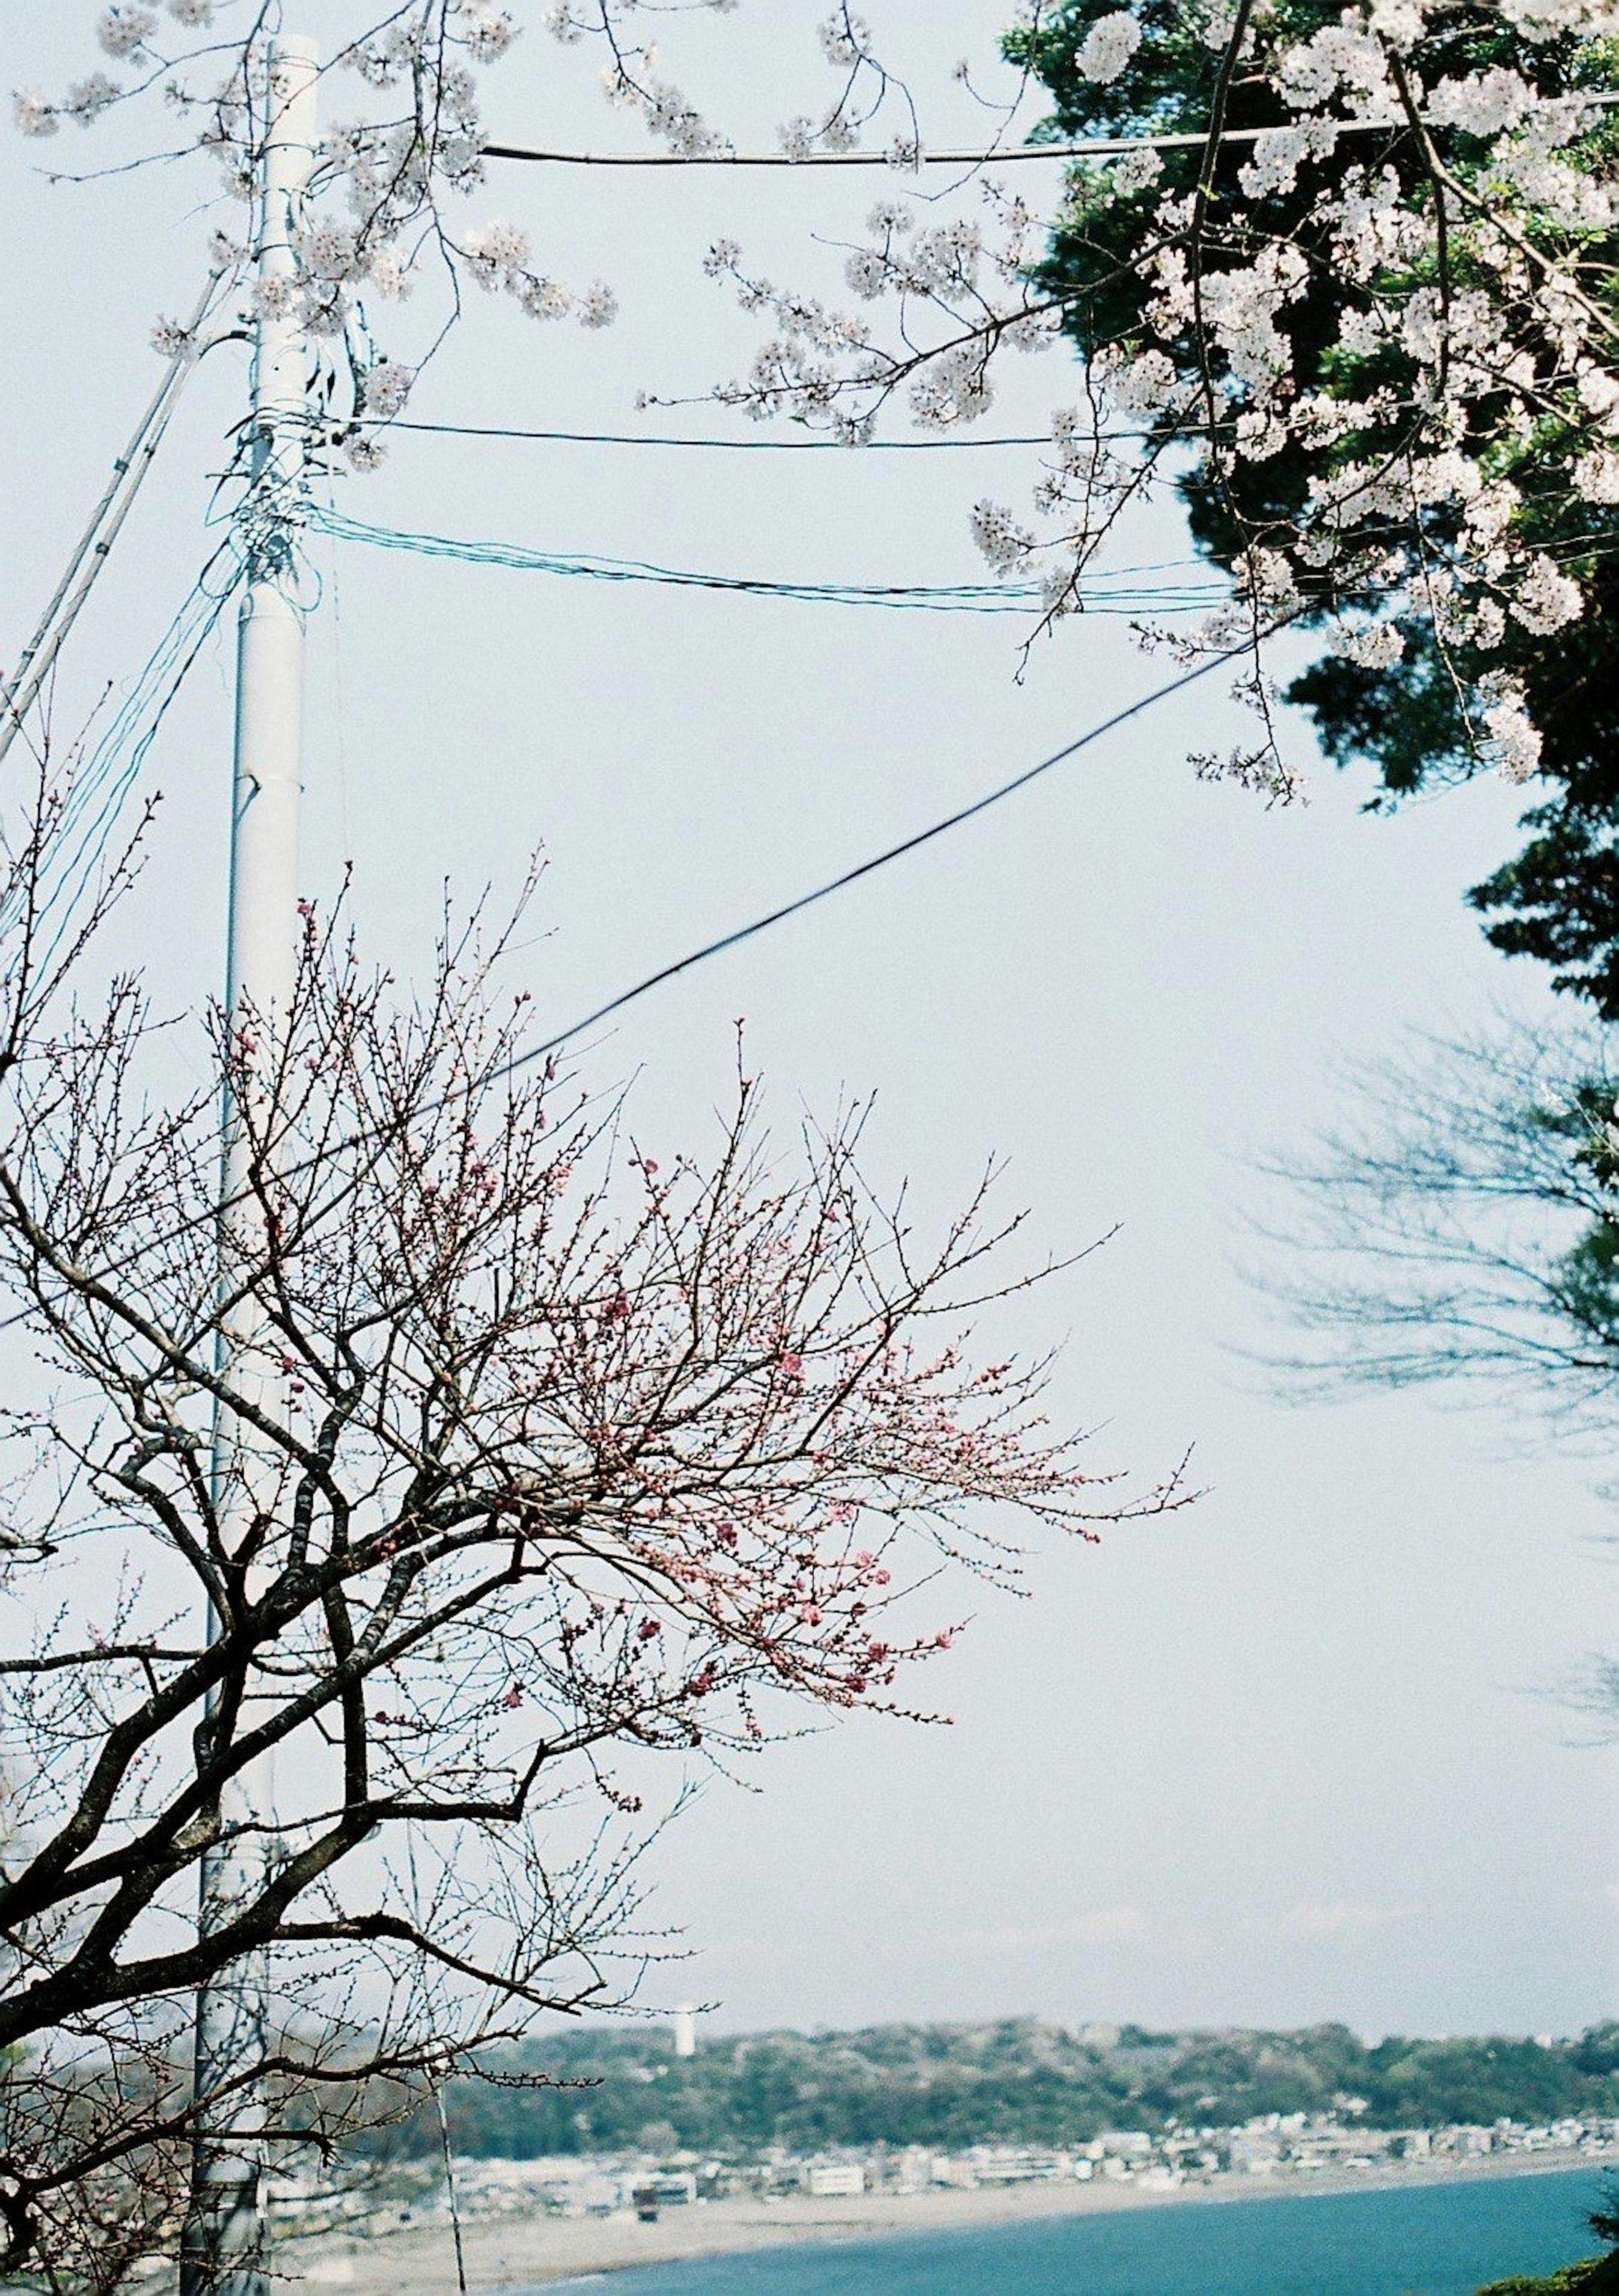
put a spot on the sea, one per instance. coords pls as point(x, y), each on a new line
point(1424, 2240)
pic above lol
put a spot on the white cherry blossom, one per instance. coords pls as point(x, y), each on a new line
point(1109, 46)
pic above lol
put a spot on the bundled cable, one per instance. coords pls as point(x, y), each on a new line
point(20, 688)
point(1116, 594)
point(99, 785)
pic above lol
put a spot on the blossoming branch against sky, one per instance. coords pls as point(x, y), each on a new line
point(1316, 1687)
point(1403, 274)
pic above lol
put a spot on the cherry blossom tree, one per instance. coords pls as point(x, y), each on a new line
point(1427, 432)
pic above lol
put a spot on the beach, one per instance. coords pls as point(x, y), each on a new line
point(527, 2252)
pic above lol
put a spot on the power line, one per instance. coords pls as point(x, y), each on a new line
point(119, 758)
point(733, 939)
point(961, 597)
point(852, 447)
point(97, 787)
point(864, 868)
point(1091, 147)
point(1098, 147)
point(129, 471)
point(720, 445)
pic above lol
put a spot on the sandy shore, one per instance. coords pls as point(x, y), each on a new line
point(527, 2253)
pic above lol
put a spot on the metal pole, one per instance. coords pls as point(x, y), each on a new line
point(222, 2248)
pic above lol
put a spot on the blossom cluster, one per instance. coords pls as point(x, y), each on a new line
point(393, 172)
point(960, 292)
point(1398, 287)
point(1389, 273)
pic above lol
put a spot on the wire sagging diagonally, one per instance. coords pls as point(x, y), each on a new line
point(733, 939)
point(892, 853)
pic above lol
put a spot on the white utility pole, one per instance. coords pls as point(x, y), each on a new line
point(223, 2248)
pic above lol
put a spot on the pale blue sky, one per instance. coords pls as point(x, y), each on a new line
point(1281, 1757)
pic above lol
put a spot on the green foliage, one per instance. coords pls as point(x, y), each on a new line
point(1479, 2081)
point(1591, 2274)
point(1017, 2081)
point(1563, 2283)
point(1604, 2220)
point(1557, 899)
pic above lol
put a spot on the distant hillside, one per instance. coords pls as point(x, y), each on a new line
point(1017, 2081)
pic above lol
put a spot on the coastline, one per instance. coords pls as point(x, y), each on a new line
point(515, 2254)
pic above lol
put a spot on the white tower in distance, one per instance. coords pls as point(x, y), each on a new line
point(685, 2029)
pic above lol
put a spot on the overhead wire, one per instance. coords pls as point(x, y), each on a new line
point(963, 442)
point(100, 786)
point(719, 445)
point(19, 691)
point(1094, 147)
point(1084, 147)
point(735, 939)
point(848, 877)
point(959, 597)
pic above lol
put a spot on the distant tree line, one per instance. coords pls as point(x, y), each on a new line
point(1017, 2081)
